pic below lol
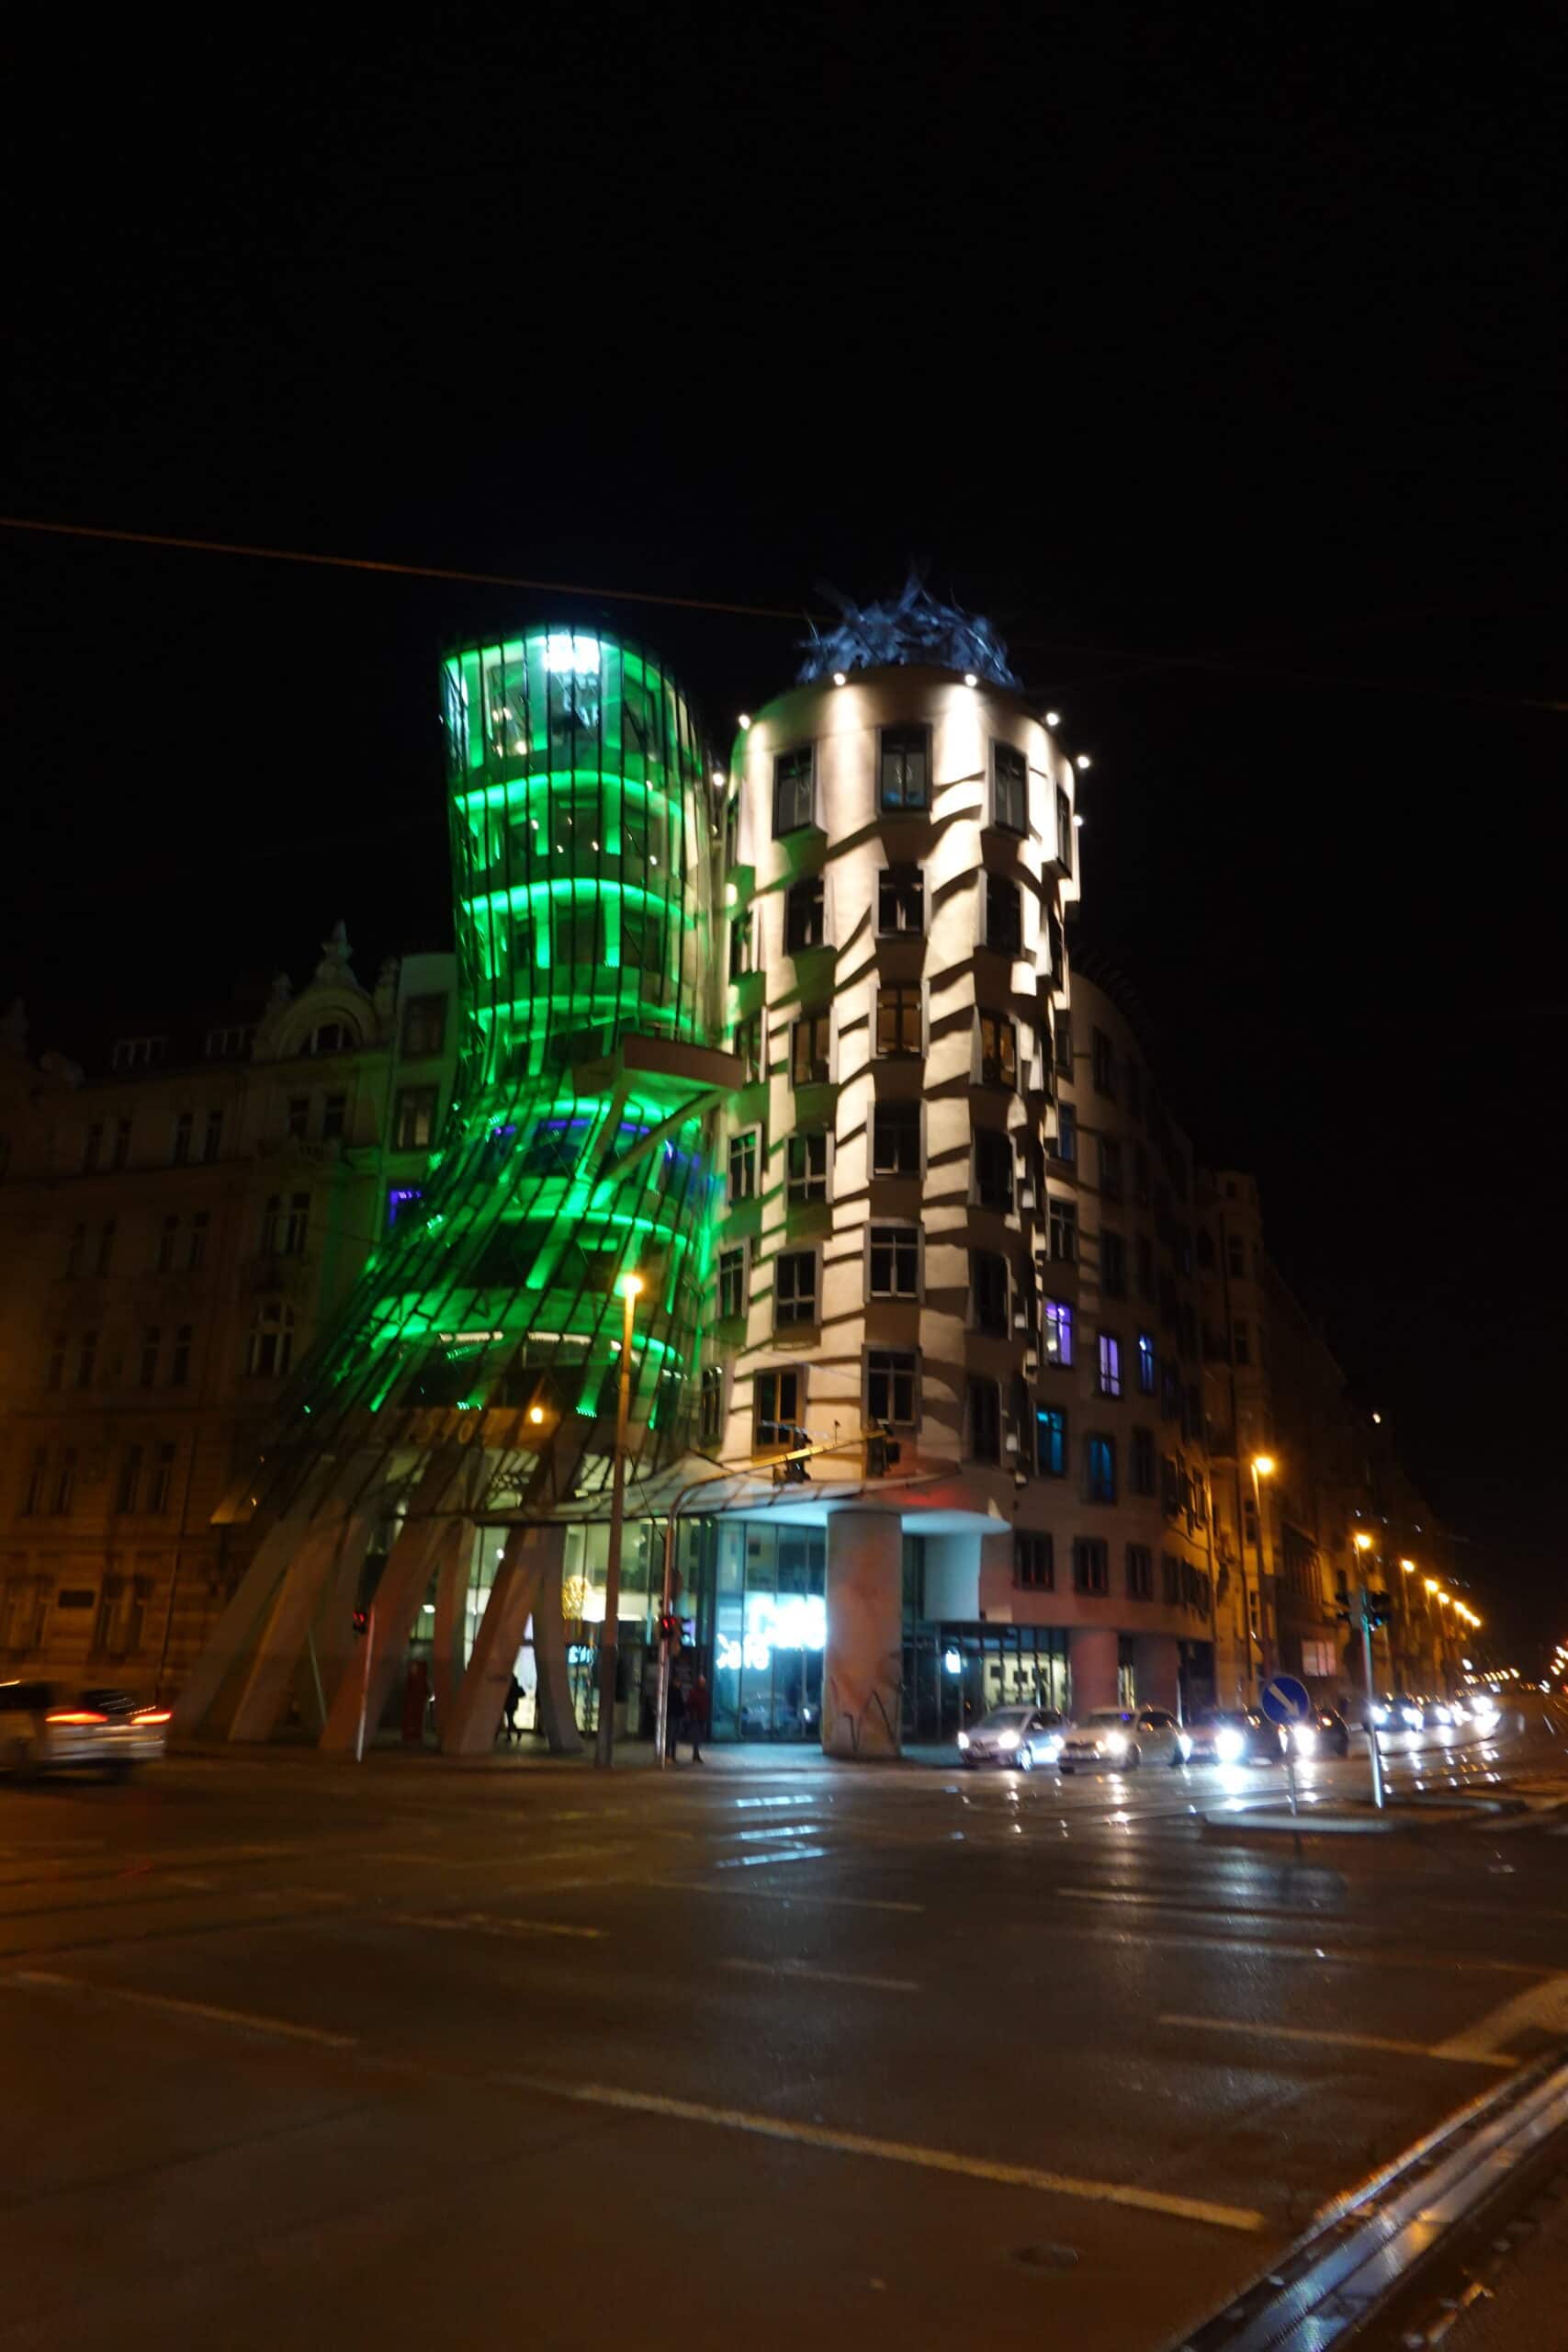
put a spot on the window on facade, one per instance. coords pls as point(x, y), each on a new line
point(92, 1146)
point(1113, 1263)
point(732, 1284)
point(1064, 831)
point(710, 1414)
point(792, 789)
point(1140, 1572)
point(297, 1119)
point(105, 1256)
point(54, 1368)
point(1241, 1343)
point(1065, 1146)
point(1004, 916)
point(128, 1488)
point(64, 1483)
point(1170, 1479)
point(1100, 1467)
point(329, 1037)
point(984, 1421)
point(998, 1050)
point(747, 1044)
point(893, 1262)
point(732, 830)
point(993, 1168)
point(892, 1387)
point(152, 1339)
point(895, 1140)
point(1147, 1365)
point(743, 1166)
point(804, 921)
point(160, 1480)
point(86, 1359)
point(988, 1291)
point(213, 1137)
point(1170, 1579)
point(1058, 1331)
point(75, 1247)
point(806, 1160)
point(334, 1116)
point(164, 1254)
point(185, 1127)
point(271, 1346)
point(775, 1399)
point(1051, 1441)
point(37, 1482)
point(1034, 1562)
point(179, 1366)
point(294, 1225)
point(121, 1142)
point(1102, 1061)
point(900, 900)
point(905, 767)
point(1110, 1167)
point(1170, 1391)
point(1140, 1463)
point(1011, 799)
point(424, 1027)
point(1143, 1258)
point(1236, 1255)
point(1107, 1365)
point(414, 1124)
point(809, 1063)
point(1064, 1044)
point(1062, 1231)
point(795, 1287)
point(898, 1017)
point(1092, 1564)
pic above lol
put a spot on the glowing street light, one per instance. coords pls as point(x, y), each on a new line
point(628, 1288)
point(1363, 1545)
point(1262, 1467)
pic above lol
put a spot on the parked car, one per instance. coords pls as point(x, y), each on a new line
point(1019, 1737)
point(50, 1727)
point(1119, 1739)
point(1328, 1734)
point(1233, 1736)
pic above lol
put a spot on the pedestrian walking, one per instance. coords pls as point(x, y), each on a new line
point(675, 1717)
point(698, 1715)
point(509, 1731)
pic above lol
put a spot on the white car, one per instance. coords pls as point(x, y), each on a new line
point(1117, 1739)
point(1019, 1736)
point(48, 1727)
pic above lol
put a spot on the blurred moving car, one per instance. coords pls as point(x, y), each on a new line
point(1117, 1739)
point(1233, 1736)
point(1019, 1737)
point(48, 1727)
point(1328, 1734)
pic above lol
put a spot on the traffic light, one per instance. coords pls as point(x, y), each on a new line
point(669, 1627)
point(882, 1453)
point(1379, 1608)
point(361, 1620)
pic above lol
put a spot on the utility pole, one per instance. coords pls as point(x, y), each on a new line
point(630, 1289)
point(1363, 1546)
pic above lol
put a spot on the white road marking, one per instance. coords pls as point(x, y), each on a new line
point(487, 1925)
point(1544, 2008)
point(777, 1895)
point(775, 1830)
point(1223, 1906)
point(778, 1854)
point(1182, 1939)
point(1335, 2041)
point(802, 1968)
point(898, 2152)
point(166, 2002)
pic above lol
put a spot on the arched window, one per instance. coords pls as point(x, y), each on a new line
point(272, 1340)
point(331, 1038)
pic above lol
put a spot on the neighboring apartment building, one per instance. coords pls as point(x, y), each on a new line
point(174, 1226)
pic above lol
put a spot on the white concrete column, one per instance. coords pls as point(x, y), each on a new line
point(444, 1485)
point(453, 1575)
point(863, 1670)
point(519, 1592)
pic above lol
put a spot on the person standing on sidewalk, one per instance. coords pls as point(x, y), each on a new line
point(698, 1715)
point(675, 1721)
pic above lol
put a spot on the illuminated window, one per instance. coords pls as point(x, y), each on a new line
point(1010, 798)
point(793, 796)
point(1065, 1145)
point(1004, 916)
point(806, 1161)
point(1148, 1363)
point(809, 1064)
point(743, 1166)
point(1058, 1331)
point(893, 1388)
point(898, 1018)
point(1034, 1562)
point(795, 1288)
point(985, 1419)
point(1100, 1467)
point(1092, 1564)
point(414, 1124)
point(775, 1407)
point(904, 765)
point(895, 1140)
point(804, 916)
point(901, 901)
point(1051, 1441)
point(998, 1050)
point(893, 1262)
point(1107, 1365)
point(270, 1349)
point(424, 1027)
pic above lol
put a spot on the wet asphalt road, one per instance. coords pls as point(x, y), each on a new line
point(301, 2055)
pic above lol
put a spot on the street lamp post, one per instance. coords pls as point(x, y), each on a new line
point(1262, 1467)
point(1363, 1544)
point(630, 1289)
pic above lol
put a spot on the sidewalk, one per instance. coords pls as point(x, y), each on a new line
point(727, 1759)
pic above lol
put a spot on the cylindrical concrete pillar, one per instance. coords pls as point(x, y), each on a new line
point(863, 1669)
point(1093, 1654)
point(1157, 1663)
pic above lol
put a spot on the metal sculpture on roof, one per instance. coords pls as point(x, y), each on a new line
point(912, 629)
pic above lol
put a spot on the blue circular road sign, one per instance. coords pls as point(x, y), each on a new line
point(1285, 1701)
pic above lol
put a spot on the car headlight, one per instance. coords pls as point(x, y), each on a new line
point(1305, 1738)
point(1116, 1743)
point(1380, 1714)
point(1047, 1750)
point(1412, 1716)
point(962, 1740)
point(1229, 1747)
point(1184, 1741)
point(1007, 1739)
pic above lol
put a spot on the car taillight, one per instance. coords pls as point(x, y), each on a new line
point(75, 1715)
point(153, 1715)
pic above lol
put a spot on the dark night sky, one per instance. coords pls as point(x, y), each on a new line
point(1222, 368)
